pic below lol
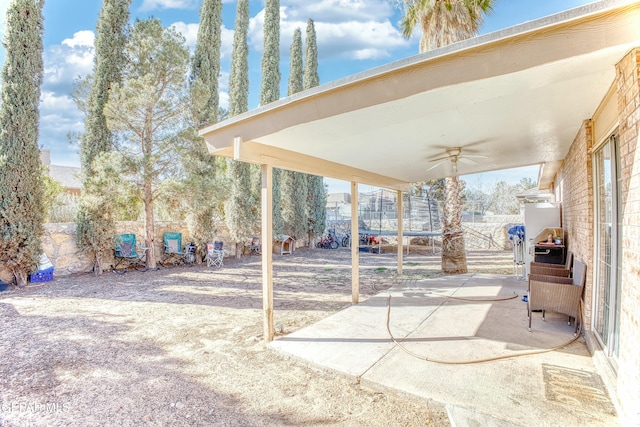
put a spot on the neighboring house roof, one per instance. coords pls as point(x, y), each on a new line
point(517, 96)
point(67, 176)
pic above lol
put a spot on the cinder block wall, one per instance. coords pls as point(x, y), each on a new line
point(628, 92)
point(59, 244)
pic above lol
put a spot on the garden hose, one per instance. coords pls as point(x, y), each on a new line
point(489, 359)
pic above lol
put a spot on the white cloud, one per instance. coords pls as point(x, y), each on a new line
point(356, 29)
point(190, 33)
point(227, 43)
point(64, 62)
point(148, 5)
point(81, 38)
point(4, 5)
point(358, 40)
point(224, 100)
point(338, 10)
point(58, 117)
point(223, 90)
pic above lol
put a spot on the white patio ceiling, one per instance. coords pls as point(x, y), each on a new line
point(518, 97)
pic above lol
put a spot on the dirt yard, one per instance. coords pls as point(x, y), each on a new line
point(184, 346)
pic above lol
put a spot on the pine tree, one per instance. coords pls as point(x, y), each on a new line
point(96, 216)
point(204, 183)
point(270, 90)
point(316, 194)
point(21, 185)
point(149, 111)
point(294, 184)
point(241, 215)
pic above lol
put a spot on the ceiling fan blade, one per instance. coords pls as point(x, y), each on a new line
point(435, 166)
point(475, 156)
point(439, 159)
point(465, 159)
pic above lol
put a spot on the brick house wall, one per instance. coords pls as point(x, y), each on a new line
point(575, 179)
point(577, 205)
point(628, 94)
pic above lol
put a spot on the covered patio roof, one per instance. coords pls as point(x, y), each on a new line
point(516, 97)
point(512, 98)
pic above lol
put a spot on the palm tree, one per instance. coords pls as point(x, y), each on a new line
point(443, 22)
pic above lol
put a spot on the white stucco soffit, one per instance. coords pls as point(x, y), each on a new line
point(515, 97)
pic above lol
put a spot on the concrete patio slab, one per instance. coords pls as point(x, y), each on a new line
point(446, 328)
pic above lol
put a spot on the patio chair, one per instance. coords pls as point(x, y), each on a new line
point(215, 255)
point(255, 248)
point(129, 254)
point(558, 294)
point(547, 269)
point(174, 253)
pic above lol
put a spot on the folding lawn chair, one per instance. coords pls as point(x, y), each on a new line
point(129, 254)
point(255, 248)
point(215, 255)
point(174, 253)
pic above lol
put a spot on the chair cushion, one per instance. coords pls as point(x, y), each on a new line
point(172, 246)
point(126, 249)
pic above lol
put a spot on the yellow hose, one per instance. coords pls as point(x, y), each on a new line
point(469, 362)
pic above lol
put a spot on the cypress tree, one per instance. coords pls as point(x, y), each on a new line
point(240, 208)
point(270, 86)
point(294, 184)
point(205, 66)
point(316, 206)
point(311, 78)
point(239, 76)
point(21, 185)
point(316, 194)
point(203, 183)
point(96, 216)
point(296, 68)
point(111, 36)
point(270, 90)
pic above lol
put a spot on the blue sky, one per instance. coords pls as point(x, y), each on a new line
point(352, 36)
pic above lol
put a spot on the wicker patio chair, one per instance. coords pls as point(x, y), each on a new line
point(547, 269)
point(558, 294)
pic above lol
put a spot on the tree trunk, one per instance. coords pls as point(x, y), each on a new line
point(454, 257)
point(97, 264)
point(150, 237)
point(21, 278)
point(239, 249)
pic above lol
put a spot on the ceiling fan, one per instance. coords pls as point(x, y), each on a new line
point(454, 155)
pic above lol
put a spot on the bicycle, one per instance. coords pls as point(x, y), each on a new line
point(346, 240)
point(328, 242)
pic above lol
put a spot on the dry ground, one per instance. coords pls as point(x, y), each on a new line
point(184, 346)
